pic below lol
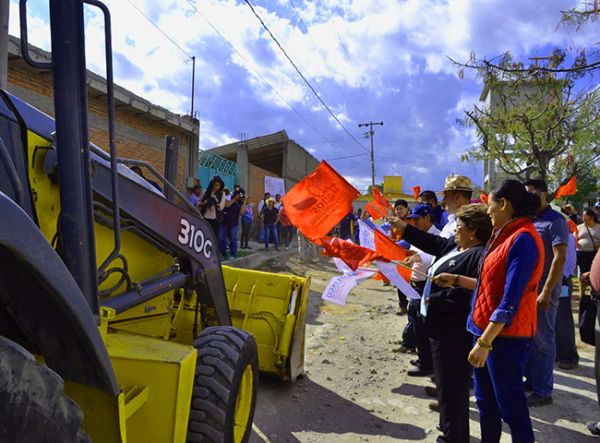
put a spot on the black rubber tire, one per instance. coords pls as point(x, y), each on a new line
point(224, 353)
point(33, 406)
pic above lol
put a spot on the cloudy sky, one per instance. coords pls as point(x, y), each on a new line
point(369, 60)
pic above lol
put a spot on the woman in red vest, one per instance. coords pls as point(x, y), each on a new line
point(503, 316)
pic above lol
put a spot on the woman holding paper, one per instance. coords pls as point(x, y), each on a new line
point(446, 308)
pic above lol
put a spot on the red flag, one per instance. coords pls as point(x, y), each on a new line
point(484, 198)
point(319, 201)
point(351, 254)
point(380, 198)
point(375, 210)
point(391, 251)
point(416, 192)
point(569, 188)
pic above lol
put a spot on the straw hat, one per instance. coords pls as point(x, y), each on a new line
point(458, 183)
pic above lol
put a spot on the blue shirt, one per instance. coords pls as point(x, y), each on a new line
point(522, 257)
point(553, 229)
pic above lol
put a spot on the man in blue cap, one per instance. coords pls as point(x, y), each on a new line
point(421, 218)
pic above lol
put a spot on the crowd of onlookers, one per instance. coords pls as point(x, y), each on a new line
point(495, 309)
point(225, 211)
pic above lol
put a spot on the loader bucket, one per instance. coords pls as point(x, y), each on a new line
point(272, 307)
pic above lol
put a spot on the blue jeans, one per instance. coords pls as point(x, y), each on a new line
point(228, 234)
point(543, 351)
point(271, 236)
point(500, 392)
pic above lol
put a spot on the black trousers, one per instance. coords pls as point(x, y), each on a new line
point(409, 338)
point(566, 352)
point(402, 300)
point(453, 378)
point(246, 226)
point(423, 345)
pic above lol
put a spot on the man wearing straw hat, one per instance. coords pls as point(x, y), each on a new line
point(458, 190)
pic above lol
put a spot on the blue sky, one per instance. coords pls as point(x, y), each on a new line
point(369, 60)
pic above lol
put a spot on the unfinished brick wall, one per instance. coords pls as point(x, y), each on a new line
point(138, 136)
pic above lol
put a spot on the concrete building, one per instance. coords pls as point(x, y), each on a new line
point(272, 155)
point(141, 127)
point(504, 96)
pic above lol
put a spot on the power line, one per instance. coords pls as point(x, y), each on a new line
point(303, 77)
point(325, 63)
point(344, 158)
point(346, 53)
point(258, 74)
point(160, 30)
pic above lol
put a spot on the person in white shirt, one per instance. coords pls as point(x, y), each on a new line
point(422, 219)
point(458, 190)
point(588, 242)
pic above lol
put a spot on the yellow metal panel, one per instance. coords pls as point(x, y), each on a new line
point(103, 414)
point(268, 306)
point(166, 370)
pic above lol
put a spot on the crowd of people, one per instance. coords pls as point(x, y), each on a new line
point(225, 211)
point(495, 309)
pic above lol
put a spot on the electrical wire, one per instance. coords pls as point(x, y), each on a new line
point(258, 74)
point(343, 158)
point(158, 28)
point(346, 53)
point(325, 63)
point(303, 77)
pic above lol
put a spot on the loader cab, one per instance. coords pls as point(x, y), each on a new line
point(13, 157)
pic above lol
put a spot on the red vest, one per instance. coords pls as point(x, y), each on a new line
point(493, 277)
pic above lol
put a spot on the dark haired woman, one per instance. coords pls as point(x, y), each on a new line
point(503, 316)
point(588, 242)
point(446, 309)
point(212, 203)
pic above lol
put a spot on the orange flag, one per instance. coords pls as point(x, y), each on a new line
point(319, 201)
point(391, 251)
point(484, 198)
point(569, 188)
point(353, 255)
point(380, 198)
point(375, 210)
point(416, 192)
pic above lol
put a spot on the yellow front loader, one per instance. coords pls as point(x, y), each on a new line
point(117, 321)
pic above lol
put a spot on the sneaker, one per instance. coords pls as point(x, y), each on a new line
point(593, 427)
point(434, 406)
point(535, 400)
point(287, 248)
point(416, 363)
point(231, 258)
point(402, 311)
point(419, 372)
point(404, 350)
point(567, 365)
point(431, 391)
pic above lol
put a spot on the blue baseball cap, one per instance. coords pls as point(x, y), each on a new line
point(420, 211)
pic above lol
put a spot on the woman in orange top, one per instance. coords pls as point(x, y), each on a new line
point(503, 316)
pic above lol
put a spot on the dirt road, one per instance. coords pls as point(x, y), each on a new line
point(356, 389)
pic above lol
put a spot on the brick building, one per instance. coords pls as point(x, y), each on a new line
point(141, 127)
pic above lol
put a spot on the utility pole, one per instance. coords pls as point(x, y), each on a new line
point(4, 6)
point(371, 133)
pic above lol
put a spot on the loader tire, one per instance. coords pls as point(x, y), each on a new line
point(33, 407)
point(224, 395)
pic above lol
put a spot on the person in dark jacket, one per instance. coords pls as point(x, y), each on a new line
point(228, 227)
point(446, 309)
